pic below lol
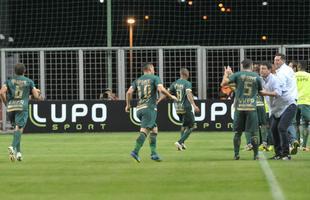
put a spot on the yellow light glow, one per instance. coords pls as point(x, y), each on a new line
point(131, 21)
point(146, 17)
point(223, 9)
point(221, 5)
point(205, 17)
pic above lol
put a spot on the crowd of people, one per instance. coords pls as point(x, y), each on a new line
point(283, 90)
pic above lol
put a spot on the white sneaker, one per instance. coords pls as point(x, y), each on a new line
point(179, 146)
point(11, 153)
point(19, 156)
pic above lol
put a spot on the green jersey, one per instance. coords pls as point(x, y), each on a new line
point(180, 87)
point(303, 85)
point(19, 89)
point(146, 85)
point(247, 86)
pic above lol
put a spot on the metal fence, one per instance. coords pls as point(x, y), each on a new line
point(84, 73)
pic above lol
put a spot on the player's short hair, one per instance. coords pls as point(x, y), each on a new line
point(282, 56)
point(256, 67)
point(184, 72)
point(147, 66)
point(20, 69)
point(247, 63)
point(267, 64)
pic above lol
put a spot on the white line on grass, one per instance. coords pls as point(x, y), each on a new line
point(276, 190)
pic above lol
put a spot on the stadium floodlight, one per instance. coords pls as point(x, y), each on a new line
point(101, 1)
point(11, 39)
point(264, 37)
point(265, 3)
point(181, 1)
point(2, 37)
point(130, 21)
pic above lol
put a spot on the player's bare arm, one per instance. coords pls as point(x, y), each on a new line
point(128, 98)
point(163, 90)
point(227, 73)
point(3, 92)
point(162, 97)
point(37, 94)
point(190, 98)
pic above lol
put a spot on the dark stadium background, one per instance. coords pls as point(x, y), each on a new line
point(59, 23)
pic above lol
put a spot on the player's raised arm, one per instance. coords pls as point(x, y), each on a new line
point(128, 98)
point(37, 94)
point(227, 72)
point(3, 92)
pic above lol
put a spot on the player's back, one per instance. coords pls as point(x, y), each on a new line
point(303, 84)
point(19, 89)
point(180, 87)
point(146, 85)
point(247, 86)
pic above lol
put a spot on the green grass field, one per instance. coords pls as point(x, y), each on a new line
point(98, 166)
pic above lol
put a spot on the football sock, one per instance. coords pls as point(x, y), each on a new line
point(264, 133)
point(305, 134)
point(16, 139)
point(248, 138)
point(18, 146)
point(182, 132)
point(237, 141)
point(186, 134)
point(254, 142)
point(139, 142)
point(153, 143)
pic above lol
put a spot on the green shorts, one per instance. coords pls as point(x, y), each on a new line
point(261, 115)
point(304, 112)
point(245, 121)
point(187, 118)
point(147, 117)
point(19, 118)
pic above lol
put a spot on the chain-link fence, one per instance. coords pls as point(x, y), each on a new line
point(84, 73)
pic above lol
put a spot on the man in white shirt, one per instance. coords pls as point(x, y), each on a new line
point(284, 107)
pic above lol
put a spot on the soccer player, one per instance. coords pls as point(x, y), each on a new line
point(248, 84)
point(15, 94)
point(147, 86)
point(262, 122)
point(261, 114)
point(183, 90)
point(303, 85)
